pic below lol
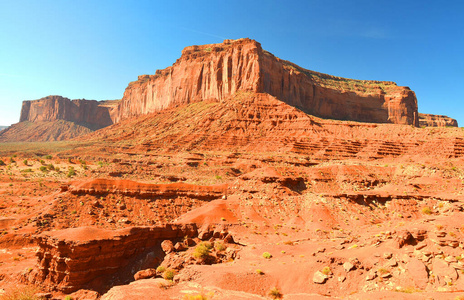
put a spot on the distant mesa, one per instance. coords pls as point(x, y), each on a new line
point(55, 118)
point(218, 72)
point(428, 120)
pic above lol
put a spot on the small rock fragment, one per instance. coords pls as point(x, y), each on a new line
point(319, 277)
point(348, 266)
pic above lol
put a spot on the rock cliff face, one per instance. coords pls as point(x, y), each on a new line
point(90, 113)
point(218, 71)
point(427, 120)
point(87, 257)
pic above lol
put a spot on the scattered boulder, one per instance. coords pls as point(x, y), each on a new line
point(319, 277)
point(144, 274)
point(167, 246)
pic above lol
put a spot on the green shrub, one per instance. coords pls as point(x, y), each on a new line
point(51, 167)
point(71, 172)
point(160, 269)
point(274, 293)
point(43, 168)
point(2, 163)
point(267, 255)
point(169, 274)
point(202, 250)
point(48, 157)
point(259, 271)
point(326, 271)
point(426, 210)
point(25, 162)
point(220, 246)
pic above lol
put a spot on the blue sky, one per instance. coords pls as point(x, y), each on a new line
point(93, 49)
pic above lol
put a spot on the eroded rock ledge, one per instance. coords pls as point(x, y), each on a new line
point(133, 188)
point(97, 259)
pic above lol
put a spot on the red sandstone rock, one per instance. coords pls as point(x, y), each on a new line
point(218, 71)
point(132, 188)
point(427, 120)
point(167, 246)
point(144, 274)
point(95, 114)
point(76, 258)
point(418, 273)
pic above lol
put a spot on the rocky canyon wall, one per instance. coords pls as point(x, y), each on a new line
point(217, 71)
point(91, 113)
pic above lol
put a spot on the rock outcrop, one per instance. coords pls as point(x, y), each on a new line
point(133, 188)
point(89, 113)
point(428, 120)
point(88, 257)
point(217, 71)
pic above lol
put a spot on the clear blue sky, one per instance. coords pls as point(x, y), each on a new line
point(93, 49)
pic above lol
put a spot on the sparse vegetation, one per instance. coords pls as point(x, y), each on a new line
point(160, 269)
point(326, 271)
point(267, 255)
point(71, 172)
point(169, 274)
point(275, 293)
point(220, 246)
point(426, 210)
point(24, 293)
point(259, 272)
point(383, 270)
point(202, 250)
point(200, 296)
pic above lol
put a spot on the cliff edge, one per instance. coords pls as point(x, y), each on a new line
point(217, 71)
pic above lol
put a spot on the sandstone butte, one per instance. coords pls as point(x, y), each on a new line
point(217, 71)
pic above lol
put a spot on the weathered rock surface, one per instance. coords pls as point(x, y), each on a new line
point(89, 257)
point(428, 120)
point(418, 273)
point(133, 188)
point(218, 71)
point(94, 114)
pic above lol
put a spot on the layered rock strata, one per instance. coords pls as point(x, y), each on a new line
point(90, 113)
point(428, 120)
point(217, 71)
point(132, 188)
point(89, 257)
